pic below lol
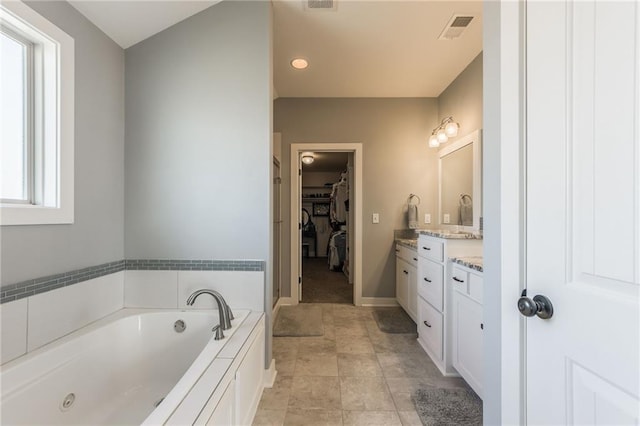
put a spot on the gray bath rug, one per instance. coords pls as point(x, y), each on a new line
point(394, 320)
point(299, 320)
point(436, 406)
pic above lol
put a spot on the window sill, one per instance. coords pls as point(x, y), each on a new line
point(15, 214)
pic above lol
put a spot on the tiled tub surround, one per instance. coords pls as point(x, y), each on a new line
point(35, 320)
point(28, 288)
point(184, 370)
point(32, 287)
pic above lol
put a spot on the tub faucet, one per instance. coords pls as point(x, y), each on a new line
point(223, 310)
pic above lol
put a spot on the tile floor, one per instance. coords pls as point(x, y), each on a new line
point(353, 375)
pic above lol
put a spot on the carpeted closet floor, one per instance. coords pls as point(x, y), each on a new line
point(320, 285)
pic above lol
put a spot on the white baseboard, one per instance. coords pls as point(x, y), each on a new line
point(378, 301)
point(283, 301)
point(270, 375)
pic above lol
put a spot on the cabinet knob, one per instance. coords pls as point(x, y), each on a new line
point(427, 324)
point(415, 258)
point(427, 279)
point(427, 248)
point(406, 272)
point(481, 326)
point(458, 279)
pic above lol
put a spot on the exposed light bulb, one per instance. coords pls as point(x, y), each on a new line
point(451, 129)
point(442, 136)
point(433, 142)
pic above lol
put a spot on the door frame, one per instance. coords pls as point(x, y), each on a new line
point(504, 207)
point(356, 204)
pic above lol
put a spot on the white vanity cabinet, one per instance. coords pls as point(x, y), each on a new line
point(434, 295)
point(406, 273)
point(468, 326)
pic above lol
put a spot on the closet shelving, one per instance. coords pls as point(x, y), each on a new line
point(308, 190)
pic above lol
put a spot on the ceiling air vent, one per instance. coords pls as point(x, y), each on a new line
point(455, 27)
point(320, 4)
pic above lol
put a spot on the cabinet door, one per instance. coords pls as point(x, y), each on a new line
point(223, 415)
point(412, 292)
point(467, 340)
point(402, 282)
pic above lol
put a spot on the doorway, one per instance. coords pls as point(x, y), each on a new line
point(326, 227)
point(326, 240)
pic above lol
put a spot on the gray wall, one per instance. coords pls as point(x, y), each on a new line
point(396, 159)
point(463, 99)
point(397, 162)
point(198, 150)
point(96, 236)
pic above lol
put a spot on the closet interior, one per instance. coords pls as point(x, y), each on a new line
point(326, 228)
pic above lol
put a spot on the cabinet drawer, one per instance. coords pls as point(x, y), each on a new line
point(431, 249)
point(476, 287)
point(430, 282)
point(459, 280)
point(410, 255)
point(430, 328)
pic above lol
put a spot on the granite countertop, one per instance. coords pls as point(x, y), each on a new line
point(411, 243)
point(447, 234)
point(471, 262)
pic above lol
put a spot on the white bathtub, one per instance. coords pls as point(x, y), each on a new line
point(117, 370)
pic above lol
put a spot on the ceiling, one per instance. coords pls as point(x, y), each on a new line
point(129, 22)
point(361, 49)
point(372, 48)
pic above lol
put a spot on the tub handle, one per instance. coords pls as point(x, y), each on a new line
point(219, 333)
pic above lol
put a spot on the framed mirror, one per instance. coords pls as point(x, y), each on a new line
point(460, 178)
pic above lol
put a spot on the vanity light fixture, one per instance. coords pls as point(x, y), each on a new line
point(307, 157)
point(441, 134)
point(299, 63)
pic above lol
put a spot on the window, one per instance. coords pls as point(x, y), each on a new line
point(36, 119)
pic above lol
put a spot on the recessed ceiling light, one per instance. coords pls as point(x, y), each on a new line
point(299, 63)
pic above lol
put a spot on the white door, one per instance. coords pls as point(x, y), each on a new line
point(583, 214)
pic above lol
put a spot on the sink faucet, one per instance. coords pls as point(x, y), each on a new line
point(224, 310)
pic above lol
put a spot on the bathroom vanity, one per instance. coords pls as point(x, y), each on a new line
point(467, 329)
point(406, 276)
point(435, 305)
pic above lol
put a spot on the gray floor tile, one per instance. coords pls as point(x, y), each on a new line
point(371, 418)
point(358, 365)
point(297, 417)
point(316, 345)
point(269, 417)
point(316, 364)
point(315, 393)
point(277, 398)
point(354, 345)
point(285, 363)
point(409, 364)
point(365, 393)
point(409, 418)
point(351, 328)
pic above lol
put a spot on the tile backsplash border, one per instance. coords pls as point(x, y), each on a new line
point(17, 291)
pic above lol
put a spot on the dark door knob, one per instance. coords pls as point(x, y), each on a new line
point(540, 306)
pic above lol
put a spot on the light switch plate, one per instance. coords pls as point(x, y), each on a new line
point(446, 218)
point(376, 218)
point(427, 218)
